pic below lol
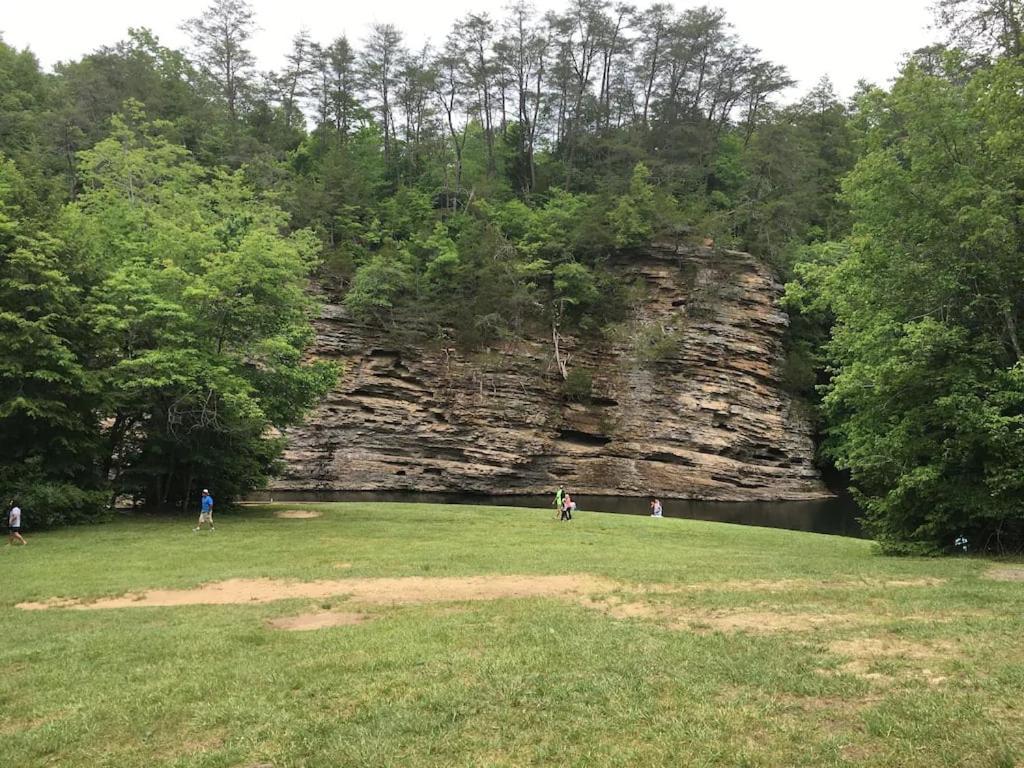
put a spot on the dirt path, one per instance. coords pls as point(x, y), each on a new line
point(1006, 573)
point(387, 591)
point(298, 514)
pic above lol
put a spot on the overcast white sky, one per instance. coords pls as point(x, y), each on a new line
point(843, 39)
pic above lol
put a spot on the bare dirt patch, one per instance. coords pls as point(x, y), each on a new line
point(740, 620)
point(1006, 573)
point(617, 600)
point(865, 651)
point(890, 647)
point(862, 669)
point(927, 581)
point(766, 622)
point(789, 585)
point(829, 714)
point(298, 514)
point(620, 608)
point(860, 753)
point(387, 591)
point(197, 745)
point(318, 620)
point(10, 726)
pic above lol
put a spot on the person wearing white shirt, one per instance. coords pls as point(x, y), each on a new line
point(14, 524)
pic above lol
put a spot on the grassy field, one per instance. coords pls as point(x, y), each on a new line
point(667, 643)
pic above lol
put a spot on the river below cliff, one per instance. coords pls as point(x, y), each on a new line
point(836, 516)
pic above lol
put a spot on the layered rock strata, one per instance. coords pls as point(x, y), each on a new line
point(686, 401)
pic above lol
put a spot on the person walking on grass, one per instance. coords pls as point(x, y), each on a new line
point(655, 508)
point(559, 501)
point(568, 506)
point(205, 511)
point(14, 524)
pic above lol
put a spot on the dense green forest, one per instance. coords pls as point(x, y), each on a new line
point(163, 213)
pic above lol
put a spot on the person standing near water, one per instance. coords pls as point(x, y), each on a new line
point(559, 501)
point(205, 511)
point(14, 523)
point(568, 505)
point(655, 508)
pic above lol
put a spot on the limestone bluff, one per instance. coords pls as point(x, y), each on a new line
point(707, 419)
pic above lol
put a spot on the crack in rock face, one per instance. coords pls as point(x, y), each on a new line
point(707, 417)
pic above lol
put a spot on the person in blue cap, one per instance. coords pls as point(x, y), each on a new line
point(205, 511)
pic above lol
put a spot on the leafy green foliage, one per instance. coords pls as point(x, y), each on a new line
point(47, 395)
point(153, 341)
point(578, 385)
point(172, 205)
point(925, 401)
point(654, 344)
point(632, 217)
point(378, 285)
point(200, 316)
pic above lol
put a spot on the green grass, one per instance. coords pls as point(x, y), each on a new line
point(511, 682)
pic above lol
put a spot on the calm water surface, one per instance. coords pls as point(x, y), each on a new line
point(837, 516)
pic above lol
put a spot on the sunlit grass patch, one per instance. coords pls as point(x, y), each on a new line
point(489, 636)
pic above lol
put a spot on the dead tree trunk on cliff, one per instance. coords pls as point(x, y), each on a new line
point(563, 365)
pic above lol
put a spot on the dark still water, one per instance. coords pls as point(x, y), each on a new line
point(837, 516)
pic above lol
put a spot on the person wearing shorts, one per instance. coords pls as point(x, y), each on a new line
point(568, 507)
point(205, 511)
point(14, 524)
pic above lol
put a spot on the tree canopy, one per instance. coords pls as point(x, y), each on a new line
point(166, 217)
point(923, 404)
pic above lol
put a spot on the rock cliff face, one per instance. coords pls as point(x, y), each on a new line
point(686, 404)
